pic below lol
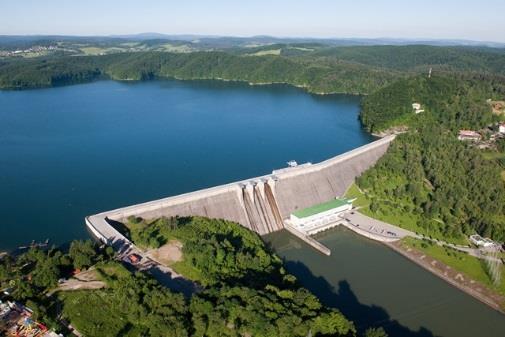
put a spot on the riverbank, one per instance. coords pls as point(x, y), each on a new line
point(459, 280)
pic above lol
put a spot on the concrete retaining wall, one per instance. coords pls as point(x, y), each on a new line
point(308, 240)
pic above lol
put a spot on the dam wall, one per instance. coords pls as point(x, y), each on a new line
point(221, 202)
point(262, 203)
point(324, 181)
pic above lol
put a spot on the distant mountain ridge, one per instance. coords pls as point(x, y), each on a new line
point(234, 41)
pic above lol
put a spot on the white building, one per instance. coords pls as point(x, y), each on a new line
point(478, 240)
point(501, 128)
point(319, 217)
point(417, 108)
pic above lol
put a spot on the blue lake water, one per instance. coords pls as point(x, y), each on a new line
point(72, 151)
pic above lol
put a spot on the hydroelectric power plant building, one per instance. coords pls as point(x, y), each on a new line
point(319, 217)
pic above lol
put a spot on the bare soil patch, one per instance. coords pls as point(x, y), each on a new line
point(87, 280)
point(498, 107)
point(167, 254)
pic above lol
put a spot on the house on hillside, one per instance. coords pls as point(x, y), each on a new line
point(501, 128)
point(417, 108)
point(479, 241)
point(469, 135)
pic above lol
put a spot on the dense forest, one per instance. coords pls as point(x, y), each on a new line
point(320, 77)
point(447, 183)
point(246, 290)
point(444, 185)
point(318, 68)
point(456, 101)
point(420, 58)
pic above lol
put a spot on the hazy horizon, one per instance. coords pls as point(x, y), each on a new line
point(140, 34)
point(325, 19)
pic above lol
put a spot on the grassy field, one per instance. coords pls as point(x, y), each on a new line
point(185, 268)
point(466, 264)
point(361, 199)
point(267, 52)
point(92, 50)
point(177, 49)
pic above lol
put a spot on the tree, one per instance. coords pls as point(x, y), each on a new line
point(83, 253)
point(46, 273)
point(24, 290)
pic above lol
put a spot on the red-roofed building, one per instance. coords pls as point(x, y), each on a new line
point(469, 135)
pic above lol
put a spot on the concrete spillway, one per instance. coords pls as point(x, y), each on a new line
point(261, 207)
point(260, 203)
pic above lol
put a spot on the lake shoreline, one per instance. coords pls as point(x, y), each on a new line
point(304, 87)
point(419, 259)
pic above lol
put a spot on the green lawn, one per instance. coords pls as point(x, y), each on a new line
point(185, 268)
point(466, 264)
point(112, 270)
point(354, 193)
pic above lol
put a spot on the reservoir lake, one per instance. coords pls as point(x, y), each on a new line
point(72, 151)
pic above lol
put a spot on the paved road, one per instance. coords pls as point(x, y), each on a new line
point(378, 227)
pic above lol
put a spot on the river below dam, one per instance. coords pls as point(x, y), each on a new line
point(68, 152)
point(375, 286)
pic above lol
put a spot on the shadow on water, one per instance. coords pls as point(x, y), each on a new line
point(345, 300)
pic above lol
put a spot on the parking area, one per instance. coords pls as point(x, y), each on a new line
point(375, 227)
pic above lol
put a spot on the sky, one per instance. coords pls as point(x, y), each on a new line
point(442, 19)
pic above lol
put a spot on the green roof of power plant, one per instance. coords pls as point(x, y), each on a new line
point(326, 206)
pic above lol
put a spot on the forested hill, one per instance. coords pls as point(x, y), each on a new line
point(434, 182)
point(419, 58)
point(454, 100)
point(244, 288)
point(320, 77)
point(437, 185)
point(318, 68)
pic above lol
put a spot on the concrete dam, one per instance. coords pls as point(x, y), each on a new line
point(260, 204)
